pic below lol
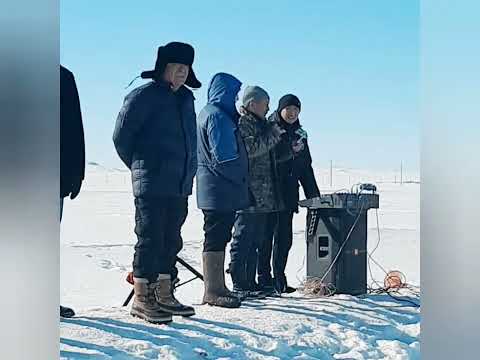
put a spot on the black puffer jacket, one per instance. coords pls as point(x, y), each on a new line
point(293, 168)
point(156, 137)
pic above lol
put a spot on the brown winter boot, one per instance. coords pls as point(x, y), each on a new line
point(167, 301)
point(216, 293)
point(145, 305)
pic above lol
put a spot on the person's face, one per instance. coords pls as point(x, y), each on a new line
point(290, 114)
point(176, 75)
point(260, 108)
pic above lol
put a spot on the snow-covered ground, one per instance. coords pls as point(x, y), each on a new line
point(96, 252)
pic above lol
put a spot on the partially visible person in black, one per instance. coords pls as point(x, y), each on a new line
point(294, 166)
point(72, 146)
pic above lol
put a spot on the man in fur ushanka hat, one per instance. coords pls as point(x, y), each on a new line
point(155, 136)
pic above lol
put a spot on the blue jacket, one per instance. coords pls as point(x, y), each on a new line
point(155, 136)
point(222, 175)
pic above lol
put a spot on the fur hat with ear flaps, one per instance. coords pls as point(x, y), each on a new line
point(174, 52)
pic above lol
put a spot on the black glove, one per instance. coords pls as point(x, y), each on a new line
point(76, 186)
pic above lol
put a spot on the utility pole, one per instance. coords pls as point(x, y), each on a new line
point(331, 173)
point(401, 173)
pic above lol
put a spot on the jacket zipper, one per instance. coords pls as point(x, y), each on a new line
point(187, 152)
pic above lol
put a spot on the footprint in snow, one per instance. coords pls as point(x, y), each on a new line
point(109, 265)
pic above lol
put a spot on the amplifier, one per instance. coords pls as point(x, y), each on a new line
point(330, 219)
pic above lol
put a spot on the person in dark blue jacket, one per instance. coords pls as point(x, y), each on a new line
point(222, 182)
point(155, 136)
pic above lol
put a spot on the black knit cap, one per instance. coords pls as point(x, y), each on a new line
point(288, 100)
point(174, 52)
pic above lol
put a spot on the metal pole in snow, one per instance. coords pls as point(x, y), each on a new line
point(401, 173)
point(331, 173)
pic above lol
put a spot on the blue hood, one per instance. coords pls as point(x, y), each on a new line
point(222, 91)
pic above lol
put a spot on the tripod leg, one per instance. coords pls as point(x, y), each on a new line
point(190, 268)
point(185, 264)
point(129, 297)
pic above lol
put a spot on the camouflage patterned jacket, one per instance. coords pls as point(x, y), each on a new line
point(260, 141)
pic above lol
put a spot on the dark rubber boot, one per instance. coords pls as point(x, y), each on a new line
point(216, 293)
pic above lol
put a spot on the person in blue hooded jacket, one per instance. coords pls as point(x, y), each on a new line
point(222, 182)
point(155, 136)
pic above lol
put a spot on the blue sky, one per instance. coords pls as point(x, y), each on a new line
point(354, 65)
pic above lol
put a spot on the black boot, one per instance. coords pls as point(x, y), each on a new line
point(66, 312)
point(280, 283)
point(270, 291)
point(289, 289)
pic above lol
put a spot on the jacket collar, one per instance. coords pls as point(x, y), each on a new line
point(183, 91)
point(253, 116)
